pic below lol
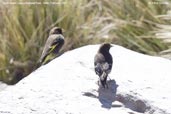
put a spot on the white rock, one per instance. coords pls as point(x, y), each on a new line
point(138, 84)
point(3, 86)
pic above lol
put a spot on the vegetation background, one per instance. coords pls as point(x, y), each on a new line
point(140, 25)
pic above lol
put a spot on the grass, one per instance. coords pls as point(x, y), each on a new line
point(135, 24)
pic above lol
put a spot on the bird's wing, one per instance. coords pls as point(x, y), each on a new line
point(101, 65)
point(50, 44)
point(98, 61)
point(58, 43)
point(99, 58)
point(98, 69)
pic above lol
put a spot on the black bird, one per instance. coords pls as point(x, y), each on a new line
point(103, 63)
point(53, 44)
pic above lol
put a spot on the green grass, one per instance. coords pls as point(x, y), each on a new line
point(24, 29)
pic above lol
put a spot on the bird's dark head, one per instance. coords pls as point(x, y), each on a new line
point(55, 30)
point(105, 47)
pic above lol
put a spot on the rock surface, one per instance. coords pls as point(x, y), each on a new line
point(138, 84)
point(3, 86)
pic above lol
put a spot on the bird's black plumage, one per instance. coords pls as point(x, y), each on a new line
point(53, 44)
point(103, 63)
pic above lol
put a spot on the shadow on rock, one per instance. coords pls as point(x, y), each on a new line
point(107, 96)
point(89, 94)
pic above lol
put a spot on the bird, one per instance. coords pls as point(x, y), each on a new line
point(103, 62)
point(53, 43)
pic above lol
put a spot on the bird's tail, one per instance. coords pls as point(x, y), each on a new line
point(103, 79)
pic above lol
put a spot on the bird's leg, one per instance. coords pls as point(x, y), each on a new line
point(98, 83)
point(106, 86)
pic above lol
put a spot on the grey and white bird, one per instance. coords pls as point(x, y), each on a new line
point(103, 62)
point(53, 43)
